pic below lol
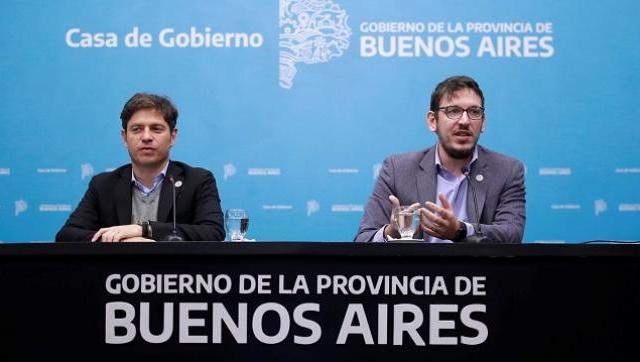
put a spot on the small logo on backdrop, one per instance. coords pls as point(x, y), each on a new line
point(20, 207)
point(554, 171)
point(343, 170)
point(229, 170)
point(347, 208)
point(51, 170)
point(599, 207)
point(86, 170)
point(376, 170)
point(311, 32)
point(627, 170)
point(5, 171)
point(565, 206)
point(313, 206)
point(629, 207)
point(276, 207)
point(263, 171)
point(54, 207)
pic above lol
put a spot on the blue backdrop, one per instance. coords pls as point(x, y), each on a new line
point(293, 104)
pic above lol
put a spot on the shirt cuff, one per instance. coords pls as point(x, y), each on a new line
point(470, 229)
point(378, 237)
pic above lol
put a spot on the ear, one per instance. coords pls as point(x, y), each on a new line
point(174, 136)
point(484, 125)
point(432, 121)
point(123, 133)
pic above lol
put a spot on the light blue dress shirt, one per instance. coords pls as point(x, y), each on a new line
point(456, 190)
point(156, 181)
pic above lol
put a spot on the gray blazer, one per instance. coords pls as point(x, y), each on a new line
point(412, 177)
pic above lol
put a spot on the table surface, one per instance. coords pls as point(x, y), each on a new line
point(324, 249)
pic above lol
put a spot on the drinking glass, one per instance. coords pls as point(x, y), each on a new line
point(237, 223)
point(406, 220)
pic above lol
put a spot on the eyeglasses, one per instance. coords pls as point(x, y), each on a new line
point(455, 112)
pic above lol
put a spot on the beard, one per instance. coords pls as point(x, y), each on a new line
point(457, 153)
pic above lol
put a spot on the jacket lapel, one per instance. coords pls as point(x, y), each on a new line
point(426, 178)
point(123, 196)
point(427, 182)
point(166, 194)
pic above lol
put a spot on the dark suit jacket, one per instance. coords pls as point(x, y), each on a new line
point(412, 177)
point(107, 203)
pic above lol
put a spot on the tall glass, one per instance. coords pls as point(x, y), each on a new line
point(406, 219)
point(237, 223)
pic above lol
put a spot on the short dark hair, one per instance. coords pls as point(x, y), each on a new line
point(141, 101)
point(449, 86)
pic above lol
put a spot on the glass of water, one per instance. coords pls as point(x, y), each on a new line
point(237, 223)
point(406, 220)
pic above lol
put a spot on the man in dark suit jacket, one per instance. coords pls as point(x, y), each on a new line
point(436, 180)
point(134, 202)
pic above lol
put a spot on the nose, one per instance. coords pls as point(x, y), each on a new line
point(464, 119)
point(146, 134)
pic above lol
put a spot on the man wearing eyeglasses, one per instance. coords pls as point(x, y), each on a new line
point(440, 182)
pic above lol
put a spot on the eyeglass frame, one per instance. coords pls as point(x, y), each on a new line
point(443, 109)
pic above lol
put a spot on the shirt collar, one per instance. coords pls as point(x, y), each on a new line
point(156, 180)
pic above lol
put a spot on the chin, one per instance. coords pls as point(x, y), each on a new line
point(148, 162)
point(459, 152)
